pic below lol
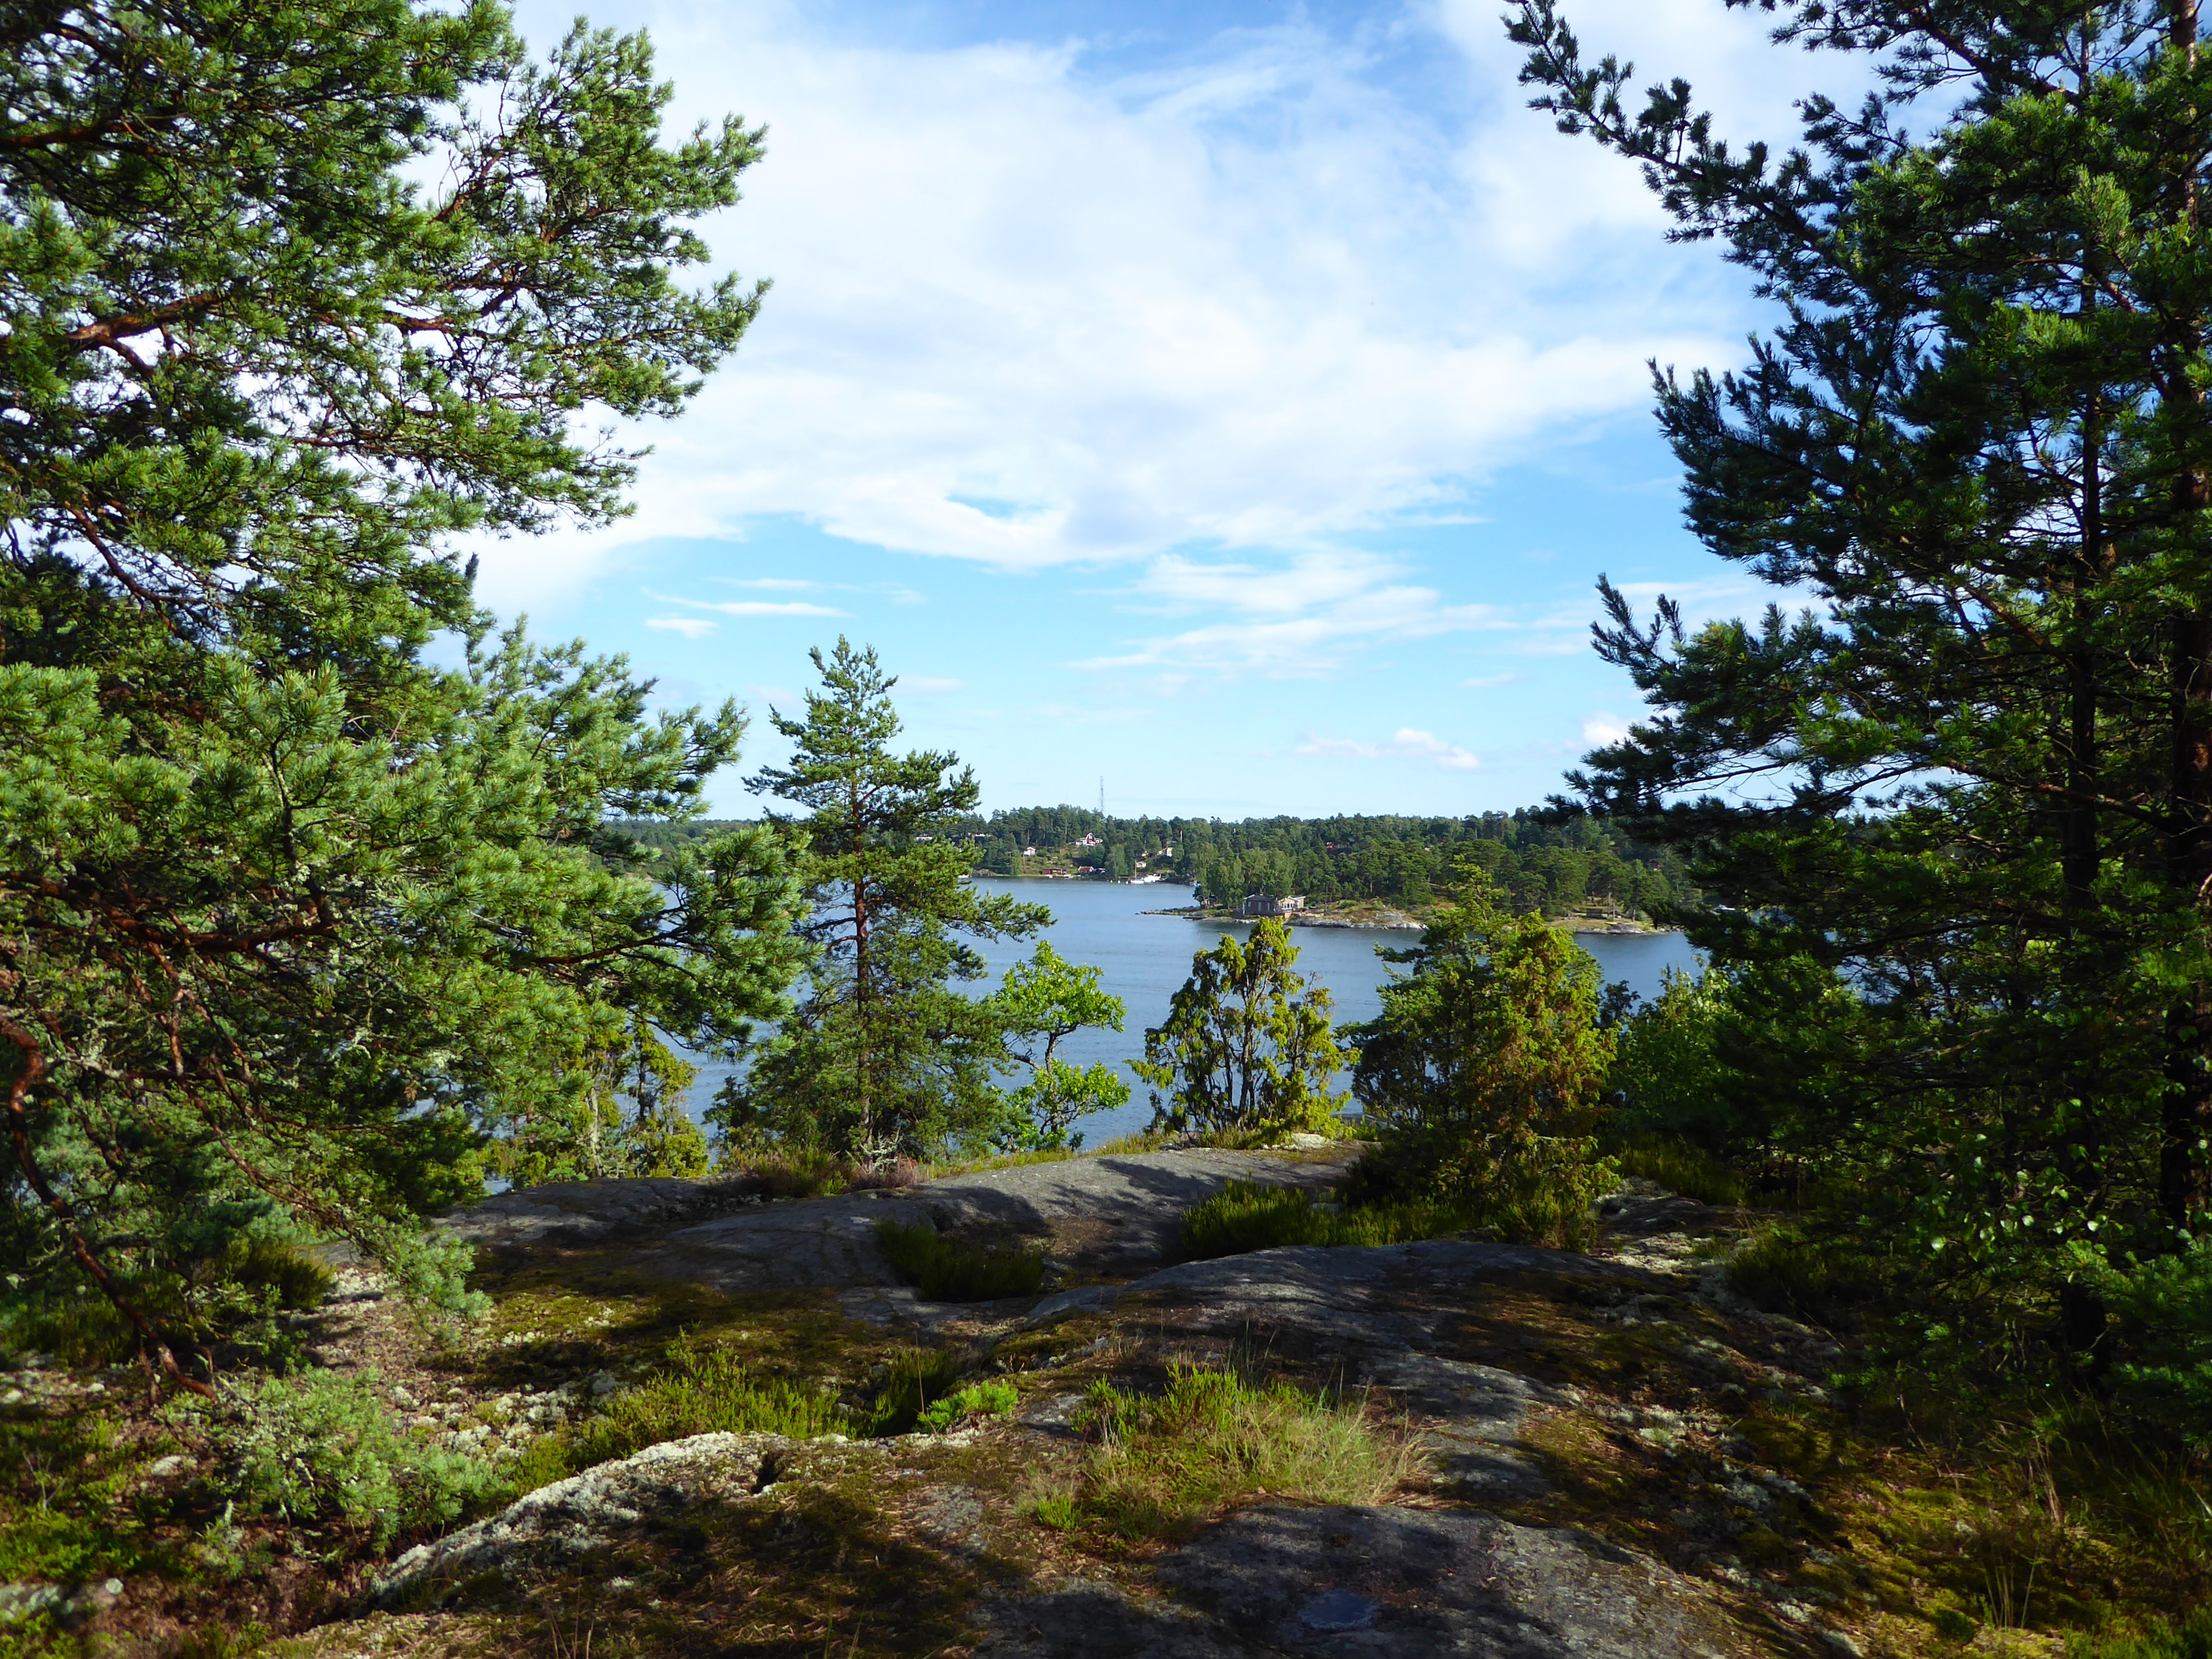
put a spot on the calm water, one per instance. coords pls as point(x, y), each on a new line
point(1144, 960)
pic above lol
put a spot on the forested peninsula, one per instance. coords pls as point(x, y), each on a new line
point(1539, 861)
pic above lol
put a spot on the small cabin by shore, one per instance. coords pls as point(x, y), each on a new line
point(1265, 904)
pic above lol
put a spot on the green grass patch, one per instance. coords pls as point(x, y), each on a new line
point(946, 1270)
point(1160, 1464)
point(1682, 1168)
point(1246, 1216)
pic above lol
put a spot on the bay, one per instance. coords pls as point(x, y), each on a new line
point(1143, 959)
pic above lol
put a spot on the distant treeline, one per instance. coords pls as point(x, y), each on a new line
point(1538, 865)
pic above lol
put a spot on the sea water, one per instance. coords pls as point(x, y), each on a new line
point(1143, 959)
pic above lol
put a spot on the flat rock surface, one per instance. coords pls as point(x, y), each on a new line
point(1516, 1458)
point(1114, 1214)
point(1382, 1583)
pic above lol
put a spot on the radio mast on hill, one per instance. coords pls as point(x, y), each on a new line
point(1102, 794)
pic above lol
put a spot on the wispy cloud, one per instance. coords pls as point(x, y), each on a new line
point(1491, 682)
point(749, 607)
point(1307, 616)
point(692, 628)
point(1030, 312)
point(1408, 743)
point(1604, 728)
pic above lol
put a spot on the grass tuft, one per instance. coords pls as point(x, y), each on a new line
point(1215, 1438)
point(911, 1383)
point(946, 1270)
point(992, 1399)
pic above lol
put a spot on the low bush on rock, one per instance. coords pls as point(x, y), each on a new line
point(1789, 1269)
point(1682, 1168)
point(992, 1399)
point(1243, 1217)
point(911, 1383)
point(321, 1447)
point(2189, 1640)
point(702, 1391)
point(1161, 1463)
point(946, 1270)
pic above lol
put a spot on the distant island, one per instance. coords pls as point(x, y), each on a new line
point(1349, 871)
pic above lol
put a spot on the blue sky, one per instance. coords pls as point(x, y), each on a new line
point(1235, 401)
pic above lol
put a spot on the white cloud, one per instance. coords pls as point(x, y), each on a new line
point(1489, 682)
point(692, 628)
point(749, 607)
point(1408, 743)
point(1028, 315)
point(1604, 728)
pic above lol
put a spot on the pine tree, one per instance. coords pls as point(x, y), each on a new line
point(1973, 782)
point(882, 1055)
point(291, 919)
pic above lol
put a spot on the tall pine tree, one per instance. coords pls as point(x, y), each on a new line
point(1972, 780)
point(884, 1056)
point(290, 919)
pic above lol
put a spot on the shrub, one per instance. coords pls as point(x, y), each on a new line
point(321, 1447)
point(946, 1270)
point(1786, 1269)
point(702, 1391)
point(1484, 1074)
point(1216, 1438)
point(2165, 1307)
point(1243, 1216)
point(992, 1399)
point(1682, 1168)
point(296, 1279)
point(2190, 1639)
point(912, 1382)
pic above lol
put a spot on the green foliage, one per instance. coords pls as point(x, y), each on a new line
point(1681, 1168)
point(914, 1381)
point(72, 1507)
point(1482, 1074)
point(1243, 1217)
point(320, 1446)
point(2165, 1307)
point(1041, 1002)
point(296, 922)
point(1667, 1075)
point(1955, 814)
point(1163, 1463)
point(946, 1270)
point(1246, 1046)
point(700, 1391)
point(1791, 1270)
point(882, 1056)
point(991, 1399)
point(2189, 1640)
